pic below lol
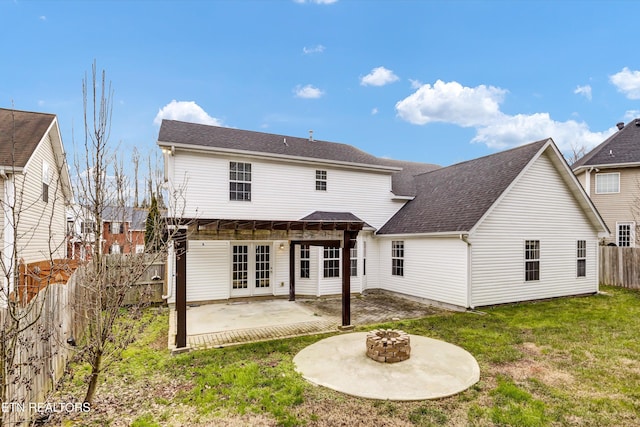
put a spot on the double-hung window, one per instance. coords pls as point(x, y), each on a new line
point(353, 255)
point(305, 256)
point(397, 258)
point(321, 180)
point(581, 255)
point(532, 260)
point(239, 181)
point(607, 183)
point(117, 227)
point(331, 262)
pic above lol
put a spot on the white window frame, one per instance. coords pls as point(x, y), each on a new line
point(353, 255)
point(331, 262)
point(604, 186)
point(116, 227)
point(115, 249)
point(240, 181)
point(581, 258)
point(46, 180)
point(532, 260)
point(305, 261)
point(139, 249)
point(632, 234)
point(397, 258)
point(321, 180)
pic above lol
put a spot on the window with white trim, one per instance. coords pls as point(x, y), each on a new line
point(321, 180)
point(532, 260)
point(331, 262)
point(397, 258)
point(607, 183)
point(46, 180)
point(305, 263)
point(115, 248)
point(139, 249)
point(117, 227)
point(353, 255)
point(240, 181)
point(581, 255)
point(625, 234)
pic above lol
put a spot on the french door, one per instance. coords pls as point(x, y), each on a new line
point(251, 269)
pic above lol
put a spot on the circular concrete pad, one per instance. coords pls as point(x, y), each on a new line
point(435, 369)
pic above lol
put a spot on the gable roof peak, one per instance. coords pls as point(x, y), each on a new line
point(622, 147)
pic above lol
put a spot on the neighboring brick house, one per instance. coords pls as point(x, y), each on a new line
point(610, 175)
point(123, 230)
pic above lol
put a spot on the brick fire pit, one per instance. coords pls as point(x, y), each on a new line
point(388, 345)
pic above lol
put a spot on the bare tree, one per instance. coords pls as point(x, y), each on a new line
point(577, 152)
point(135, 158)
point(117, 262)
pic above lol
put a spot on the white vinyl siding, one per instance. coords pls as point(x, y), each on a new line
point(41, 225)
point(279, 190)
point(538, 205)
point(435, 269)
point(308, 285)
point(208, 270)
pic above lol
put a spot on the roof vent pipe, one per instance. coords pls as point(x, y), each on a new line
point(638, 122)
point(310, 135)
point(620, 125)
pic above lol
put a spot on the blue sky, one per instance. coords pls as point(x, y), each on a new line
point(430, 81)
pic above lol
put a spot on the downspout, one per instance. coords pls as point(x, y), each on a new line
point(465, 239)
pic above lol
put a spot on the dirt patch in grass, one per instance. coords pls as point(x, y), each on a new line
point(532, 366)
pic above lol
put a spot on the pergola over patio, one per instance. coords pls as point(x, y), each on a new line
point(328, 229)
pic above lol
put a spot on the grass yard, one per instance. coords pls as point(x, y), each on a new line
point(565, 362)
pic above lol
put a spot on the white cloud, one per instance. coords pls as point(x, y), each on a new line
point(479, 107)
point(451, 103)
point(41, 102)
point(511, 131)
point(42, 18)
point(185, 111)
point(415, 84)
point(308, 92)
point(627, 82)
point(631, 115)
point(374, 111)
point(315, 49)
point(584, 91)
point(379, 76)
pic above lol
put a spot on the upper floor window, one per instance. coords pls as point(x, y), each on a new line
point(581, 254)
point(305, 257)
point(397, 258)
point(239, 181)
point(607, 183)
point(117, 227)
point(331, 262)
point(625, 234)
point(532, 260)
point(321, 180)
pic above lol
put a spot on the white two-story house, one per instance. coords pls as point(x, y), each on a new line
point(35, 190)
point(275, 215)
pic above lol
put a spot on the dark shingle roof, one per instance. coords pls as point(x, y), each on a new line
point(330, 216)
point(137, 217)
point(403, 182)
point(454, 198)
point(176, 132)
point(20, 133)
point(621, 147)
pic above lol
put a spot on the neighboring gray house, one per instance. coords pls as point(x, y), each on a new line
point(275, 215)
point(610, 175)
point(35, 190)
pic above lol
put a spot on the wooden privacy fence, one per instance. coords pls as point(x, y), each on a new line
point(38, 275)
point(620, 266)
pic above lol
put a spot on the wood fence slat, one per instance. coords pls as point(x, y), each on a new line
point(619, 266)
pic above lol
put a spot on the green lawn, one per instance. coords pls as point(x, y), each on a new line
point(570, 361)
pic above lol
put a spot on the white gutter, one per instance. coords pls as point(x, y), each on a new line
point(261, 154)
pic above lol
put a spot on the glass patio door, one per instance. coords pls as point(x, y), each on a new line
point(250, 270)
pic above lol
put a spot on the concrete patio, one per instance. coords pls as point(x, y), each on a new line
point(243, 321)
